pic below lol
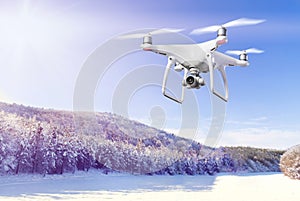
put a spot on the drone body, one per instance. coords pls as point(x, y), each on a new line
point(195, 59)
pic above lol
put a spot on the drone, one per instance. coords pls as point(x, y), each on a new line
point(194, 59)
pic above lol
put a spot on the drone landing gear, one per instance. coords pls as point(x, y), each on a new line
point(223, 74)
point(171, 62)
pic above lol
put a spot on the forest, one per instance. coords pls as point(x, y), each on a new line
point(46, 141)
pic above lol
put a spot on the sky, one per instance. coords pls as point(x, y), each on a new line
point(44, 44)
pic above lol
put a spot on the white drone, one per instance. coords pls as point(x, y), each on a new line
point(199, 58)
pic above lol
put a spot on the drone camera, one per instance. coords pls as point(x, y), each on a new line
point(193, 81)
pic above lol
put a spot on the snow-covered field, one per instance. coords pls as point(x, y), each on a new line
point(95, 186)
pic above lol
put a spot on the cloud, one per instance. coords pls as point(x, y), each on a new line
point(247, 123)
point(260, 137)
point(256, 121)
point(263, 118)
point(251, 135)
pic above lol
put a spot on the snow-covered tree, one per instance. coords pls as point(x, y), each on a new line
point(290, 162)
point(46, 141)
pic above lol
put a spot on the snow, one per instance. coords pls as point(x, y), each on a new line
point(95, 186)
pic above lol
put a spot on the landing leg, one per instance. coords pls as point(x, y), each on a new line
point(211, 72)
point(171, 62)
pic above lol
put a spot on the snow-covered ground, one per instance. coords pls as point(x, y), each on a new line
point(95, 186)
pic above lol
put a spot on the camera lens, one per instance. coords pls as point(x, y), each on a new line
point(190, 80)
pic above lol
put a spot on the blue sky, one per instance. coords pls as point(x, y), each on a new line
point(45, 43)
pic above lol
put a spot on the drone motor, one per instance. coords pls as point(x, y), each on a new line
point(222, 31)
point(221, 38)
point(147, 39)
point(244, 57)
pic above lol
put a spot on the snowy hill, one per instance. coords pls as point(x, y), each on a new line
point(44, 141)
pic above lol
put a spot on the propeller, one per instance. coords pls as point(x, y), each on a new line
point(155, 32)
point(234, 23)
point(239, 52)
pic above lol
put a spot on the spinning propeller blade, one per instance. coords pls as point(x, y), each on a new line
point(239, 52)
point(234, 23)
point(155, 32)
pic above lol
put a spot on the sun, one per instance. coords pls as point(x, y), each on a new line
point(30, 28)
point(21, 29)
point(29, 39)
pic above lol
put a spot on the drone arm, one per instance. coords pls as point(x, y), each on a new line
point(222, 71)
point(171, 61)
